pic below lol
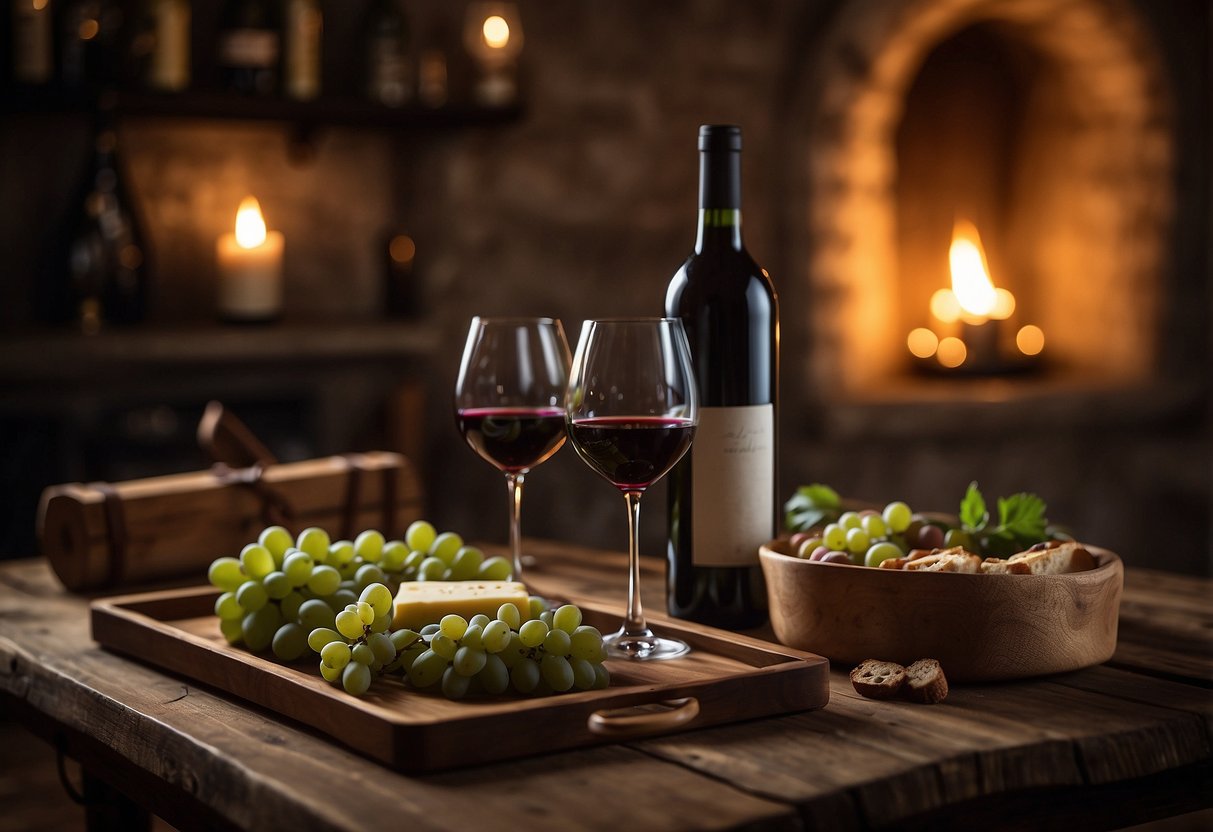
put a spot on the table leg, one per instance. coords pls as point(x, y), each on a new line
point(106, 808)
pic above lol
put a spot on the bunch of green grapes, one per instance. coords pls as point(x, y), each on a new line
point(552, 653)
point(357, 642)
point(426, 555)
point(869, 537)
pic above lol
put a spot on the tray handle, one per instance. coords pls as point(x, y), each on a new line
point(618, 723)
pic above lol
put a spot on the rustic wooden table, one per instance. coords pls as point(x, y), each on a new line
point(1105, 747)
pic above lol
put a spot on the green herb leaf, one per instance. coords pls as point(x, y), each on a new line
point(1023, 515)
point(810, 506)
point(973, 513)
point(820, 495)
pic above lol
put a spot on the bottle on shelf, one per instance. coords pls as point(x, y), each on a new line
point(89, 44)
point(32, 42)
point(169, 64)
point(722, 495)
point(98, 270)
point(304, 26)
point(389, 70)
point(250, 47)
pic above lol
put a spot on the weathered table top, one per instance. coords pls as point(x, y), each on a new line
point(1099, 748)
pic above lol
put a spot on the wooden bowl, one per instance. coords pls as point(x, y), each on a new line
point(979, 627)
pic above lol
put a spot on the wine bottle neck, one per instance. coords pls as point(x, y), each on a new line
point(719, 200)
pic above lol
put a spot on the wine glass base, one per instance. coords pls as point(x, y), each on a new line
point(644, 646)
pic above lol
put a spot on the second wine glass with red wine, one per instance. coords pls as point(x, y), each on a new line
point(632, 409)
point(508, 401)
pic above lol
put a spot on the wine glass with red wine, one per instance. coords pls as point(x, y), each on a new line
point(508, 400)
point(631, 410)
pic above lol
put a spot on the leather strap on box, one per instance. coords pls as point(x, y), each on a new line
point(115, 531)
point(275, 509)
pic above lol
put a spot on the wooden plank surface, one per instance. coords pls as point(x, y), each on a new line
point(1101, 744)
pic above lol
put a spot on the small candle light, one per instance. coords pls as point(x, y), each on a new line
point(250, 267)
point(493, 36)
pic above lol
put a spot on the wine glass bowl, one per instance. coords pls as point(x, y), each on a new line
point(508, 401)
point(631, 410)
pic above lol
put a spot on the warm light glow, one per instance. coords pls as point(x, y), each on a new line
point(402, 249)
point(496, 32)
point(944, 306)
point(922, 342)
point(1004, 304)
point(39, 5)
point(970, 275)
point(1030, 340)
point(250, 226)
point(88, 29)
point(952, 352)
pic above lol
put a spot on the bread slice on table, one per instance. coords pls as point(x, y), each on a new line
point(925, 682)
point(1051, 558)
point(955, 559)
point(878, 680)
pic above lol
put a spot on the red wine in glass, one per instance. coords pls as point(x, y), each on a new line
point(632, 452)
point(513, 438)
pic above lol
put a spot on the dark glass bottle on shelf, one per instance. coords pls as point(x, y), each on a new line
point(249, 47)
point(29, 32)
point(389, 69)
point(89, 50)
point(97, 270)
point(722, 494)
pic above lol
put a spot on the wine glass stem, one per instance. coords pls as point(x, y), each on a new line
point(514, 484)
point(634, 623)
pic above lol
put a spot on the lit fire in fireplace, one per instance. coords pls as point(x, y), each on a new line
point(971, 320)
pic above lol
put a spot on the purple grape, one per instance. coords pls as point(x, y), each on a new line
point(819, 553)
point(835, 557)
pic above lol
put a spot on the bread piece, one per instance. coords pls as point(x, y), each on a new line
point(925, 682)
point(998, 566)
point(894, 563)
point(955, 559)
point(1056, 559)
point(878, 680)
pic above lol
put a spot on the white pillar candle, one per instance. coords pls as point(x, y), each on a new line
point(250, 267)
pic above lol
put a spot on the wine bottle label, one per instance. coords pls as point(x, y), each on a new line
point(732, 484)
point(254, 48)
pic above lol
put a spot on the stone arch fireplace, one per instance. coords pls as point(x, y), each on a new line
point(1068, 150)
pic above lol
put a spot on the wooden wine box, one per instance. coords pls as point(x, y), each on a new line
point(99, 535)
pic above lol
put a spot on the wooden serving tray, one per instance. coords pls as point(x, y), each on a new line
point(727, 677)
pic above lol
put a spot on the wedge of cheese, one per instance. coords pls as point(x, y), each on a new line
point(425, 602)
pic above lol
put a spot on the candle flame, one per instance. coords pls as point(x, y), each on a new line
point(496, 32)
point(970, 276)
point(250, 225)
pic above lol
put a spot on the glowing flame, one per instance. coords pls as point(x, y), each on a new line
point(970, 275)
point(250, 226)
point(496, 32)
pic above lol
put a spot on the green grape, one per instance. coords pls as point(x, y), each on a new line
point(586, 643)
point(583, 674)
point(356, 678)
point(341, 552)
point(496, 569)
point(259, 627)
point(875, 526)
point(496, 636)
point(368, 574)
point(298, 568)
point(473, 638)
point(546, 617)
point(405, 660)
point(347, 571)
point(335, 654)
point(466, 564)
point(413, 561)
point(380, 624)
point(835, 536)
point(602, 677)
point(557, 672)
point(401, 639)
point(362, 653)
point(393, 556)
point(857, 541)
point(468, 661)
point(276, 585)
point(444, 645)
point(339, 599)
point(494, 677)
point(479, 620)
point(427, 669)
point(533, 633)
point(330, 674)
point(366, 613)
point(315, 613)
point(349, 624)
point(454, 684)
point(232, 630)
point(256, 560)
point(420, 535)
point(897, 516)
point(315, 541)
point(381, 646)
point(957, 537)
point(228, 608)
point(369, 545)
point(431, 569)
point(567, 618)
point(324, 580)
point(850, 520)
point(445, 547)
point(430, 629)
point(537, 606)
point(453, 626)
point(557, 643)
point(525, 675)
point(879, 552)
point(290, 642)
point(252, 596)
point(513, 652)
point(807, 547)
point(276, 540)
point(379, 597)
point(510, 615)
point(226, 574)
point(319, 637)
point(290, 605)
